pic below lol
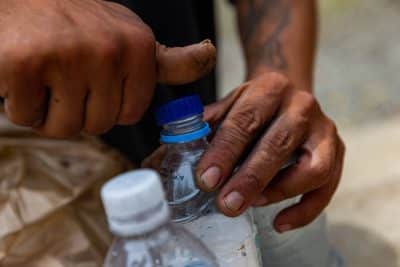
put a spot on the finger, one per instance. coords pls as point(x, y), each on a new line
point(181, 65)
point(104, 99)
point(139, 81)
point(217, 111)
point(102, 108)
point(247, 118)
point(312, 204)
point(64, 117)
point(312, 171)
point(26, 104)
point(155, 159)
point(24, 95)
point(269, 155)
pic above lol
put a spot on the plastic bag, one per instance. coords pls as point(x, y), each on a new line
point(50, 210)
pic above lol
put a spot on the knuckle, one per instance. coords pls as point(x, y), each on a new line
point(252, 181)
point(22, 61)
point(205, 61)
point(147, 42)
point(246, 122)
point(332, 128)
point(321, 170)
point(69, 49)
point(309, 102)
point(299, 122)
point(108, 49)
point(279, 80)
point(225, 144)
point(130, 117)
point(131, 112)
point(142, 39)
point(273, 85)
point(280, 143)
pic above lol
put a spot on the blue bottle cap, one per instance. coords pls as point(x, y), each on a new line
point(179, 109)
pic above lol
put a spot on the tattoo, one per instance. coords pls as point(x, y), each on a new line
point(262, 25)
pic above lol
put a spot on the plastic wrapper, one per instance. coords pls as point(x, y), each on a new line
point(50, 209)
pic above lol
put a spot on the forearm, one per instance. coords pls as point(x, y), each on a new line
point(279, 35)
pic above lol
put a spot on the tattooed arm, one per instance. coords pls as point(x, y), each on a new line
point(275, 109)
point(279, 35)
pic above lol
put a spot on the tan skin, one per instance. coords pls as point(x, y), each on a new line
point(68, 66)
point(86, 65)
point(278, 38)
point(277, 106)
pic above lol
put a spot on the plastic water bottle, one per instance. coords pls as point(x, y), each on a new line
point(139, 217)
point(184, 132)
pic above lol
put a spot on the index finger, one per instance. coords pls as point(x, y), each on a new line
point(248, 116)
point(270, 154)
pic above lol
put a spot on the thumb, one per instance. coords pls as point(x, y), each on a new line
point(181, 65)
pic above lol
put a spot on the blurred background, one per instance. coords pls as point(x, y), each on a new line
point(357, 83)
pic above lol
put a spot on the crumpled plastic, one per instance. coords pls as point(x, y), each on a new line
point(50, 209)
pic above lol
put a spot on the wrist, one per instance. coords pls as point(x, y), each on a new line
point(299, 80)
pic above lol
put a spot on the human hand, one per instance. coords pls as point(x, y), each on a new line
point(285, 120)
point(85, 65)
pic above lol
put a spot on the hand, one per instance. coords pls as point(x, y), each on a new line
point(85, 65)
point(284, 120)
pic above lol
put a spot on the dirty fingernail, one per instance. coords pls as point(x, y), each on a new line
point(234, 201)
point(206, 42)
point(211, 177)
point(284, 228)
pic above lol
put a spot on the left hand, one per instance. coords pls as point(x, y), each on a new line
point(285, 120)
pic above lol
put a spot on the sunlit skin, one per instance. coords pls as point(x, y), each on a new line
point(73, 66)
point(276, 105)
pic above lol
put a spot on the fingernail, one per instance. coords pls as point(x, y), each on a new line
point(206, 42)
point(234, 201)
point(284, 228)
point(211, 177)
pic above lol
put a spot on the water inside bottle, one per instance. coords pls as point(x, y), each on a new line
point(186, 200)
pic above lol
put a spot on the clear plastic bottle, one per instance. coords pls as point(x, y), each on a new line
point(184, 132)
point(139, 217)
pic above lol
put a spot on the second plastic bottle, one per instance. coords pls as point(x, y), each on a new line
point(139, 217)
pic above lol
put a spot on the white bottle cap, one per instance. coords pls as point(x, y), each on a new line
point(135, 203)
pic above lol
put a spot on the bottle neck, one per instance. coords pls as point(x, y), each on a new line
point(185, 130)
point(184, 126)
point(156, 235)
point(138, 221)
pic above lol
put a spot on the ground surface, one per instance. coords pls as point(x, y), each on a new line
point(358, 85)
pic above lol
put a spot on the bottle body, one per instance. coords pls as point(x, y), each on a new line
point(186, 200)
point(167, 246)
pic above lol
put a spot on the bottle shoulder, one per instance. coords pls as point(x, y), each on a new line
point(171, 245)
point(194, 147)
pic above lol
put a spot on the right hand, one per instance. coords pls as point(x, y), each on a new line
point(85, 65)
